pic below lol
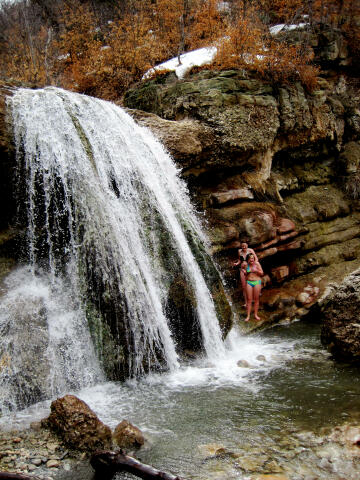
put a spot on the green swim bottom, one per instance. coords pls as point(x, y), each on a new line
point(252, 283)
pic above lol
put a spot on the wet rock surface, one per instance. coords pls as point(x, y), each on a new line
point(296, 455)
point(127, 435)
point(78, 425)
point(340, 312)
point(273, 170)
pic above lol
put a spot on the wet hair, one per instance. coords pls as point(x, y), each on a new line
point(249, 255)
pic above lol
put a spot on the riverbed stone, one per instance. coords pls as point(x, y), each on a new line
point(212, 449)
point(78, 425)
point(261, 358)
point(127, 435)
point(243, 364)
point(270, 476)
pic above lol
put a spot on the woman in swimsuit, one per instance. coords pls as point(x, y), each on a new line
point(254, 272)
point(243, 252)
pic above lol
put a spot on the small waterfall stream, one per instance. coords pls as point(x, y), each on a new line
point(111, 225)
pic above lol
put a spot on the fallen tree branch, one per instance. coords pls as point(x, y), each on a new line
point(108, 463)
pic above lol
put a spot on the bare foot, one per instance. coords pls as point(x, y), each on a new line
point(257, 317)
point(247, 319)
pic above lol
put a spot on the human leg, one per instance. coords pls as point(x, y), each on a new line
point(256, 293)
point(249, 296)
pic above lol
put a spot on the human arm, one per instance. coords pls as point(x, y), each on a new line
point(238, 261)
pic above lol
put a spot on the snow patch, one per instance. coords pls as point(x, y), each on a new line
point(276, 29)
point(195, 58)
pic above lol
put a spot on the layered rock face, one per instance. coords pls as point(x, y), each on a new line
point(340, 316)
point(272, 165)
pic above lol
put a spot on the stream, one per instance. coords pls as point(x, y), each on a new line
point(212, 421)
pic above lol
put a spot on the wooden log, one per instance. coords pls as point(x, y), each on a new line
point(108, 463)
point(15, 476)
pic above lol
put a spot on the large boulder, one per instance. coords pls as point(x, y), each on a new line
point(340, 316)
point(78, 425)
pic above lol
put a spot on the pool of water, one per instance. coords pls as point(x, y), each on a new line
point(221, 420)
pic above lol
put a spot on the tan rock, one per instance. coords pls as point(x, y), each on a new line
point(280, 273)
point(302, 298)
point(270, 476)
point(230, 195)
point(243, 364)
point(183, 138)
point(78, 425)
point(210, 449)
point(127, 435)
point(285, 226)
point(53, 464)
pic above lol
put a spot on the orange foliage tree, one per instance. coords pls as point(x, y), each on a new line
point(78, 48)
point(25, 46)
point(208, 24)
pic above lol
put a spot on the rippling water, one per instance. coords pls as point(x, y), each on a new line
point(277, 410)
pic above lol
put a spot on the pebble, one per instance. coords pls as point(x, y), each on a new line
point(31, 468)
point(273, 467)
point(16, 440)
point(36, 461)
point(243, 363)
point(53, 464)
point(52, 447)
point(35, 426)
point(261, 358)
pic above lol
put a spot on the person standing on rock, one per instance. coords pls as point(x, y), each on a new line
point(243, 252)
point(254, 272)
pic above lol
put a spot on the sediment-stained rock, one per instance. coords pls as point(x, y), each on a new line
point(127, 435)
point(340, 315)
point(274, 174)
point(78, 425)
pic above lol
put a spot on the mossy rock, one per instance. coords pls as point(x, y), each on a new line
point(182, 315)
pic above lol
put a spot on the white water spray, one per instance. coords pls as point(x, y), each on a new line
point(101, 195)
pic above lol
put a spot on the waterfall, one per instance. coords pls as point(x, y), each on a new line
point(110, 220)
point(45, 342)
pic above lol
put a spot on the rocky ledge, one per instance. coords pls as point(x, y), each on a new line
point(273, 165)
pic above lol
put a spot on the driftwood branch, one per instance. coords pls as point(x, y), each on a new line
point(108, 463)
point(15, 476)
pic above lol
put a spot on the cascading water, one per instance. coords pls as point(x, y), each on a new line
point(45, 345)
point(108, 219)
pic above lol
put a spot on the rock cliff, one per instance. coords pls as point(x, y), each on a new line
point(274, 165)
